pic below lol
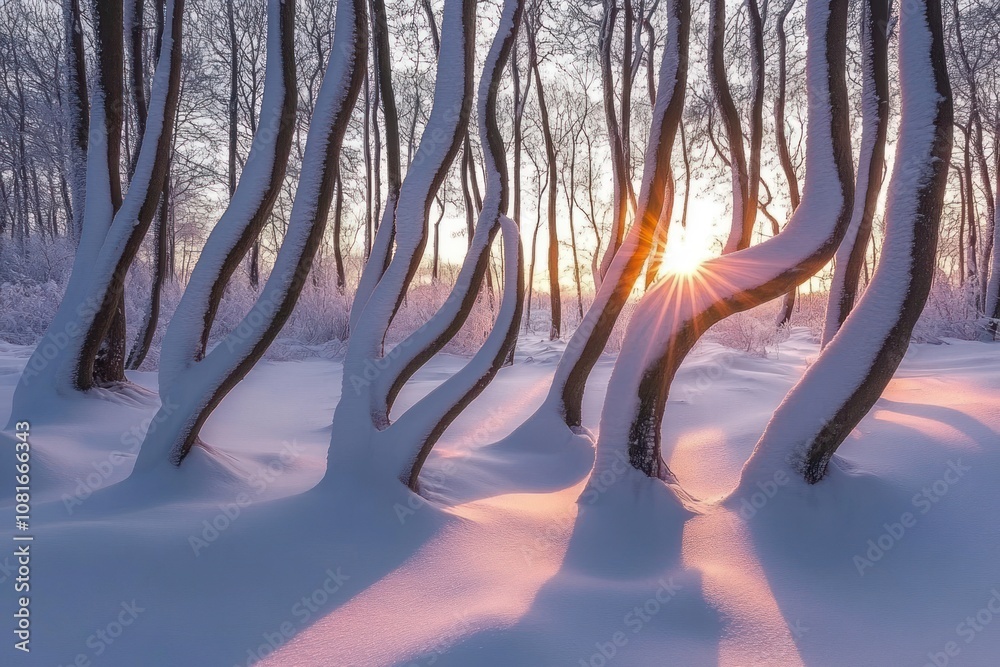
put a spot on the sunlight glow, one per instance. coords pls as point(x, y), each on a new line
point(686, 251)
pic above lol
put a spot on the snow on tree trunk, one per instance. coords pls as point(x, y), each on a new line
point(186, 337)
point(381, 252)
point(77, 114)
point(64, 359)
point(362, 427)
point(191, 391)
point(565, 396)
point(850, 256)
point(839, 389)
point(680, 307)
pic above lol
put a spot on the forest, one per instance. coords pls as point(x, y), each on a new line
point(492, 332)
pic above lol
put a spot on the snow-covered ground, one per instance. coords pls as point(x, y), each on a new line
point(890, 561)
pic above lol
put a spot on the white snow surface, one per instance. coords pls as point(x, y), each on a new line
point(504, 562)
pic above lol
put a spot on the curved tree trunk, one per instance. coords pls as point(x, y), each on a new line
point(680, 308)
point(739, 236)
point(844, 383)
point(381, 246)
point(850, 256)
point(784, 154)
point(756, 124)
point(362, 418)
point(194, 392)
point(619, 168)
point(429, 418)
point(186, 338)
point(92, 303)
point(338, 214)
point(565, 396)
point(144, 337)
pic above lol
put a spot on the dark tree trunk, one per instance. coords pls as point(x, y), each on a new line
point(851, 256)
point(144, 339)
point(784, 155)
point(739, 235)
point(588, 341)
point(107, 363)
point(555, 300)
point(338, 214)
point(79, 111)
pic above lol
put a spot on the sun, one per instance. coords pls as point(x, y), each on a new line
point(686, 252)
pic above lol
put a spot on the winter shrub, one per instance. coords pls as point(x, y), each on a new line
point(32, 283)
point(26, 309)
point(753, 332)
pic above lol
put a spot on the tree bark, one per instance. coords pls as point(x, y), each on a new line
point(680, 308)
point(784, 154)
point(739, 235)
point(144, 338)
point(78, 111)
point(107, 363)
point(565, 395)
point(804, 433)
point(186, 339)
point(201, 388)
point(619, 168)
point(875, 118)
point(555, 300)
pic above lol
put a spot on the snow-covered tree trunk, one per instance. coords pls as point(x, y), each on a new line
point(77, 111)
point(565, 396)
point(845, 381)
point(362, 429)
point(65, 359)
point(681, 307)
point(193, 383)
point(781, 139)
point(186, 338)
point(619, 167)
point(107, 364)
point(850, 256)
point(993, 290)
point(381, 251)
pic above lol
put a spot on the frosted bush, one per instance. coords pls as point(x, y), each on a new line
point(423, 300)
point(26, 309)
point(32, 283)
point(949, 313)
point(753, 332)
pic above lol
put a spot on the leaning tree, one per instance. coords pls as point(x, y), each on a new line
point(193, 382)
point(843, 384)
point(363, 433)
point(84, 344)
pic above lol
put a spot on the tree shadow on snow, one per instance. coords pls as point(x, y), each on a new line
point(225, 584)
point(621, 594)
